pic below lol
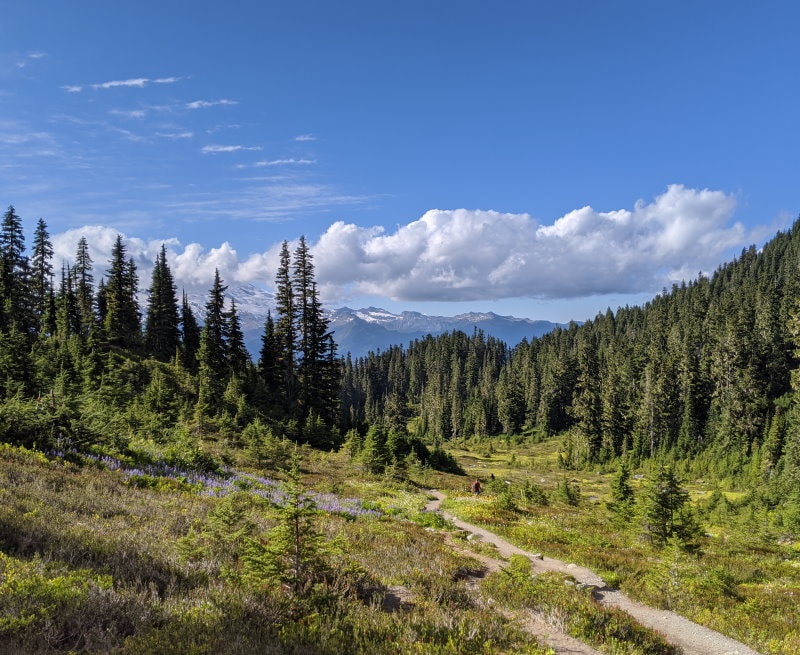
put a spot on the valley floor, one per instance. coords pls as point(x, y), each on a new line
point(99, 556)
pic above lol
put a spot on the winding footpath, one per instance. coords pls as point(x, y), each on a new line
point(692, 638)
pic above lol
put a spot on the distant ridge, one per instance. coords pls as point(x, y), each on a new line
point(359, 331)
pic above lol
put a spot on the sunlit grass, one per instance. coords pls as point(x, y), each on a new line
point(90, 564)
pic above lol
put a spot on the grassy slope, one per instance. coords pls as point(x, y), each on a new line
point(89, 564)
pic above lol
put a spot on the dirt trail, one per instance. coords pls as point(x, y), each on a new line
point(694, 639)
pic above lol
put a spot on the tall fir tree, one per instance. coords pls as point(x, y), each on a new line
point(212, 355)
point(190, 335)
point(101, 303)
point(14, 274)
point(312, 336)
point(268, 365)
point(586, 407)
point(84, 289)
point(161, 335)
point(41, 271)
point(237, 354)
point(285, 331)
point(67, 317)
point(48, 322)
point(121, 323)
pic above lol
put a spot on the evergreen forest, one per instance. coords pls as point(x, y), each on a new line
point(705, 375)
point(82, 364)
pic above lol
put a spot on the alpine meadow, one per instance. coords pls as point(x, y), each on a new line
point(419, 328)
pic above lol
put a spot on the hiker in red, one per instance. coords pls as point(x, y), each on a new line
point(476, 487)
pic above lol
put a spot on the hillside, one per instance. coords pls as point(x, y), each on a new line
point(701, 372)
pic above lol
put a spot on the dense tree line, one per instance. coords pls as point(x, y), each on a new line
point(703, 372)
point(81, 362)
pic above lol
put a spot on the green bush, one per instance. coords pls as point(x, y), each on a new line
point(432, 520)
point(567, 492)
point(533, 493)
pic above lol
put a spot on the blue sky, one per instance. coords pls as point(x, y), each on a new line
point(598, 150)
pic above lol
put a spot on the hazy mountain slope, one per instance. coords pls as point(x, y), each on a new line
point(358, 331)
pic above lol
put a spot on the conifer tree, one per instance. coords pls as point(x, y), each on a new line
point(121, 309)
point(285, 330)
point(101, 304)
point(84, 289)
point(14, 274)
point(312, 334)
point(15, 363)
point(302, 277)
point(294, 553)
point(67, 318)
point(161, 336)
point(190, 336)
point(41, 271)
point(237, 354)
point(268, 363)
point(586, 408)
point(665, 510)
point(330, 385)
point(374, 454)
point(320, 366)
point(510, 403)
point(212, 355)
point(622, 496)
point(48, 322)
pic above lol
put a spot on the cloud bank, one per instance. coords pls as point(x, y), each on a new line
point(192, 265)
point(458, 255)
point(468, 255)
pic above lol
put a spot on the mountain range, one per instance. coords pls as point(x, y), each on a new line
point(359, 331)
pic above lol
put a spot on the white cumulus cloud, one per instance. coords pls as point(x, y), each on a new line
point(192, 265)
point(458, 255)
point(462, 255)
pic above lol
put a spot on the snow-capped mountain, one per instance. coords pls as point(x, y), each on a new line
point(252, 305)
point(359, 331)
